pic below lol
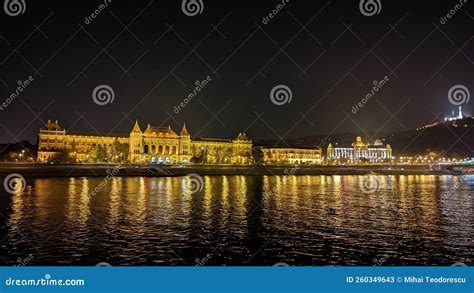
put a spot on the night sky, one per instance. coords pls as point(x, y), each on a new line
point(151, 54)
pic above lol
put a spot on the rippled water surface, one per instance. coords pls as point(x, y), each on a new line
point(240, 220)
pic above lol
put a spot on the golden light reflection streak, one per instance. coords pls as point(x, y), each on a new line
point(428, 203)
point(225, 199)
point(84, 208)
point(277, 192)
point(407, 202)
point(271, 200)
point(71, 198)
point(114, 201)
point(322, 185)
point(136, 188)
point(383, 200)
point(390, 200)
point(241, 200)
point(292, 191)
point(42, 190)
point(326, 199)
point(207, 199)
point(186, 197)
point(334, 201)
point(176, 198)
point(266, 191)
point(17, 214)
point(184, 201)
point(140, 206)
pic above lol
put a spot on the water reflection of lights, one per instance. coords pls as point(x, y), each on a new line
point(314, 210)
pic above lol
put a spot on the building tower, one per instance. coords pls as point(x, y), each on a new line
point(136, 144)
point(184, 145)
point(329, 153)
point(388, 151)
point(460, 112)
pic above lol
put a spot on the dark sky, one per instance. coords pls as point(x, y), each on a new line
point(151, 68)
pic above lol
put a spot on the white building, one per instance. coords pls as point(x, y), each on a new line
point(360, 152)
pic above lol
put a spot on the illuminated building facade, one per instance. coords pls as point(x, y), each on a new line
point(154, 145)
point(291, 156)
point(360, 152)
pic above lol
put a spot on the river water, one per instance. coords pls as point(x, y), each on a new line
point(240, 220)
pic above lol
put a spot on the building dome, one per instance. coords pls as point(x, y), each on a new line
point(378, 142)
point(359, 142)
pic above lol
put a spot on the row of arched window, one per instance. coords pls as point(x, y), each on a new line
point(160, 150)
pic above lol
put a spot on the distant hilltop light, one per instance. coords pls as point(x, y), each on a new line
point(454, 117)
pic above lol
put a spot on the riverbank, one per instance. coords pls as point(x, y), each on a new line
point(44, 171)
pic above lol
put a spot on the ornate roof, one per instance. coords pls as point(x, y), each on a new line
point(52, 125)
point(136, 128)
point(206, 139)
point(97, 135)
point(184, 131)
point(156, 131)
point(242, 137)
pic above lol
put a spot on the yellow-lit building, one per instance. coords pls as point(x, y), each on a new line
point(360, 152)
point(53, 141)
point(154, 145)
point(291, 156)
